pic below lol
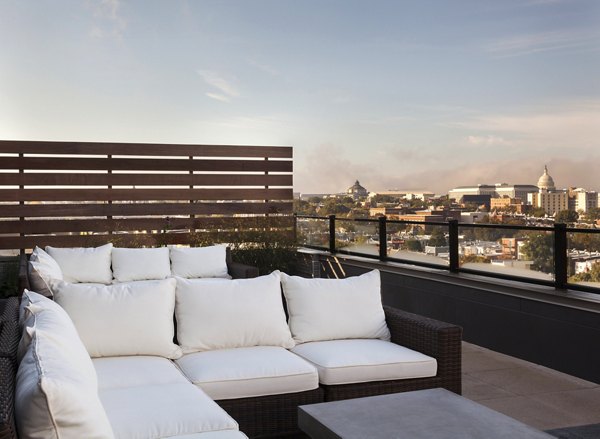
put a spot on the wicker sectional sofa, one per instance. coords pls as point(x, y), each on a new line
point(216, 388)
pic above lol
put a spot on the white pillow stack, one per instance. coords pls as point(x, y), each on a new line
point(56, 393)
point(220, 314)
point(122, 319)
point(333, 309)
point(199, 262)
point(131, 264)
point(43, 270)
point(80, 264)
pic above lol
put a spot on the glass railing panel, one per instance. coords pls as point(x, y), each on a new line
point(312, 232)
point(357, 236)
point(583, 256)
point(418, 243)
point(522, 253)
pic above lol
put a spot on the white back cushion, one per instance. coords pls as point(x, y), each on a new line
point(332, 309)
point(39, 312)
point(80, 264)
point(219, 314)
point(131, 264)
point(198, 262)
point(56, 394)
point(122, 319)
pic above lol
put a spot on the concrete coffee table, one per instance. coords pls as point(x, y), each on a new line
point(425, 414)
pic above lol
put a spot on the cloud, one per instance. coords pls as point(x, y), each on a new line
point(218, 97)
point(526, 44)
point(264, 68)
point(109, 21)
point(487, 140)
point(226, 89)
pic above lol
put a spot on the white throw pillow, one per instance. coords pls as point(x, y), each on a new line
point(123, 319)
point(332, 309)
point(43, 269)
point(54, 398)
point(198, 262)
point(220, 314)
point(130, 264)
point(79, 264)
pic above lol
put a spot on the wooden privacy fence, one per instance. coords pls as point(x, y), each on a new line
point(83, 194)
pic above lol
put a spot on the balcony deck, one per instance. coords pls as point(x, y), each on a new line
point(533, 394)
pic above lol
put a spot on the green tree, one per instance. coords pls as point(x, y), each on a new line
point(592, 214)
point(437, 239)
point(592, 275)
point(302, 207)
point(413, 245)
point(538, 212)
point(566, 216)
point(384, 199)
point(539, 249)
point(474, 258)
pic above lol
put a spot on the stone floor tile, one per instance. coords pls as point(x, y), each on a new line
point(583, 404)
point(528, 380)
point(477, 361)
point(534, 413)
point(477, 390)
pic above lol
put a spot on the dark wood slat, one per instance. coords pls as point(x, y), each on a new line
point(123, 240)
point(147, 149)
point(67, 179)
point(166, 209)
point(143, 194)
point(131, 224)
point(101, 164)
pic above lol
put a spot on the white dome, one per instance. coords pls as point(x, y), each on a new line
point(545, 181)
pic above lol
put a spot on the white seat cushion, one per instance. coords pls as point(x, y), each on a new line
point(248, 372)
point(118, 372)
point(131, 264)
point(222, 314)
point(133, 318)
point(79, 264)
point(159, 411)
point(333, 309)
point(358, 361)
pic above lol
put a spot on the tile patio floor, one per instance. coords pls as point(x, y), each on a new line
point(533, 394)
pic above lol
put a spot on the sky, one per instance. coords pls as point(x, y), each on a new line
point(422, 95)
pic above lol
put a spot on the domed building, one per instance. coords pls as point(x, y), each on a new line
point(546, 182)
point(356, 191)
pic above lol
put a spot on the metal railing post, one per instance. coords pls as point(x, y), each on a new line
point(331, 233)
point(453, 245)
point(382, 238)
point(295, 228)
point(560, 256)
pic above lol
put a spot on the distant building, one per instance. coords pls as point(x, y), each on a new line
point(504, 203)
point(356, 191)
point(406, 194)
point(478, 200)
point(497, 190)
point(548, 198)
point(389, 212)
point(583, 200)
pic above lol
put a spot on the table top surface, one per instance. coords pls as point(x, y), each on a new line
point(430, 414)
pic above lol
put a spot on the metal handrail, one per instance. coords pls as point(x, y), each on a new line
point(559, 230)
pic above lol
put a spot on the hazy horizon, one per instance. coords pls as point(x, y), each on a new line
point(408, 95)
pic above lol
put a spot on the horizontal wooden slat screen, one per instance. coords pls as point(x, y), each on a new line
point(81, 194)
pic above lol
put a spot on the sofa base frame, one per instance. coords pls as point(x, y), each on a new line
point(270, 416)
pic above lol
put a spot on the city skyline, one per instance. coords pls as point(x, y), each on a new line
point(400, 95)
